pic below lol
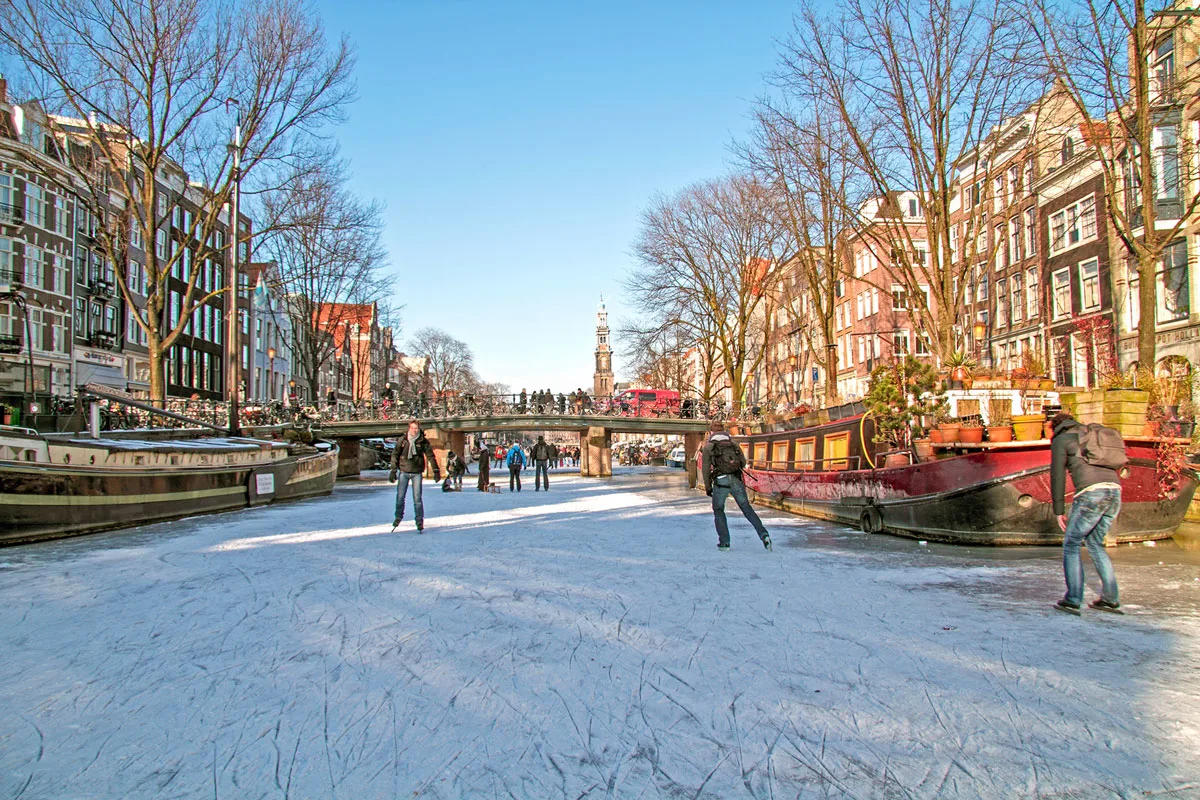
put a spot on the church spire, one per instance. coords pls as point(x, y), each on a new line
point(602, 378)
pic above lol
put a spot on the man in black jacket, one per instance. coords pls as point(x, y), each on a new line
point(721, 484)
point(408, 458)
point(1095, 508)
point(542, 453)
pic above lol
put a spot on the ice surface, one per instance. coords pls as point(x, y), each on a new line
point(588, 642)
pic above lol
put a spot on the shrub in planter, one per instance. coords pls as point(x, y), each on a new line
point(894, 400)
point(949, 431)
point(970, 431)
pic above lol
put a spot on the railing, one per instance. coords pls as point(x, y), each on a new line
point(11, 215)
point(10, 344)
point(796, 465)
point(103, 339)
point(101, 288)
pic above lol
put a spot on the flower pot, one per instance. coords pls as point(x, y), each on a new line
point(1028, 427)
point(1000, 433)
point(949, 432)
point(6, 419)
point(935, 435)
point(959, 374)
point(924, 448)
point(970, 434)
point(1175, 428)
point(896, 460)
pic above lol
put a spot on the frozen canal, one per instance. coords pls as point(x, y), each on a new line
point(589, 642)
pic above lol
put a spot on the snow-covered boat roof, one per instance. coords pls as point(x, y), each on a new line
point(214, 444)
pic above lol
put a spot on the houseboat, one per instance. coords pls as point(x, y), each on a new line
point(983, 494)
point(54, 485)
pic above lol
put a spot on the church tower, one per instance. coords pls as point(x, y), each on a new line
point(602, 380)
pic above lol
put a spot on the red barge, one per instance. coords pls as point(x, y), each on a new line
point(982, 494)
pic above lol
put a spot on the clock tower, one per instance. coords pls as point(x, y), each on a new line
point(602, 380)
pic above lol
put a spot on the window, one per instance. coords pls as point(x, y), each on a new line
point(60, 274)
point(135, 234)
point(1014, 240)
point(899, 298)
point(1017, 300)
point(34, 277)
point(835, 448)
point(1162, 71)
point(981, 292)
point(1029, 176)
point(6, 197)
point(1089, 285)
point(900, 342)
point(1030, 232)
point(997, 195)
point(1031, 292)
point(1000, 242)
point(110, 320)
point(1068, 150)
point(80, 317)
point(160, 243)
point(1166, 162)
point(35, 205)
point(922, 345)
point(874, 301)
point(1014, 182)
point(1172, 284)
point(1002, 302)
point(1061, 297)
point(1074, 224)
point(806, 453)
point(62, 221)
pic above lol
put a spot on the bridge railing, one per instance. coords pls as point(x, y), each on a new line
point(116, 416)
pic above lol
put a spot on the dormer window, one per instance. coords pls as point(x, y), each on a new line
point(1068, 150)
point(1162, 71)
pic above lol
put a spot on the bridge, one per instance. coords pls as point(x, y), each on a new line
point(447, 433)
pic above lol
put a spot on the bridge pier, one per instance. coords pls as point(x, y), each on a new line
point(595, 453)
point(691, 443)
point(443, 442)
point(348, 458)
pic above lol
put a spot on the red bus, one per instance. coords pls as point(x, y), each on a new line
point(647, 402)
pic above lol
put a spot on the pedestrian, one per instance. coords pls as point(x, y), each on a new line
point(1093, 455)
point(485, 468)
point(455, 469)
point(515, 460)
point(500, 453)
point(409, 459)
point(723, 462)
point(524, 400)
point(542, 453)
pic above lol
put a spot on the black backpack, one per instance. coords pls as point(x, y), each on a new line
point(1101, 446)
point(727, 458)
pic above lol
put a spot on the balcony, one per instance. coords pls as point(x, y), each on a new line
point(9, 282)
point(11, 215)
point(10, 344)
point(105, 340)
point(101, 288)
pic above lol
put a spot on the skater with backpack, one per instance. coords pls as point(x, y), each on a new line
point(722, 462)
point(1094, 455)
point(542, 453)
point(516, 462)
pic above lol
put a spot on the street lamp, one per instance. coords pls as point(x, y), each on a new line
point(271, 374)
point(979, 330)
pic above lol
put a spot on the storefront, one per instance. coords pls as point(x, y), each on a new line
point(99, 368)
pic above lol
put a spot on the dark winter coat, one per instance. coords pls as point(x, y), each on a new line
point(414, 462)
point(455, 465)
point(706, 459)
point(1065, 457)
point(543, 451)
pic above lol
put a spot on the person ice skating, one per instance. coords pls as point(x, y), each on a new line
point(1093, 456)
point(542, 453)
point(485, 468)
point(722, 465)
point(408, 460)
point(455, 469)
point(515, 461)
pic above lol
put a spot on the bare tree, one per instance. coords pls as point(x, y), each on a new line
point(806, 157)
point(145, 90)
point(916, 85)
point(327, 247)
point(451, 364)
point(1124, 62)
point(706, 259)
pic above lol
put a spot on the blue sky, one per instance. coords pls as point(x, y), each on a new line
point(516, 143)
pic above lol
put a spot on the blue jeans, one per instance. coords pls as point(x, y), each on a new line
point(724, 486)
point(405, 478)
point(541, 476)
point(1092, 514)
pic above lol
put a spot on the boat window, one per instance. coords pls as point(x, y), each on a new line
point(835, 449)
point(806, 453)
point(779, 455)
point(760, 456)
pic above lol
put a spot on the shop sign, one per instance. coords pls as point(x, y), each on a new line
point(100, 358)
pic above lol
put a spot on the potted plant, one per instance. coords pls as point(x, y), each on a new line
point(895, 401)
point(5, 415)
point(961, 368)
point(999, 421)
point(970, 430)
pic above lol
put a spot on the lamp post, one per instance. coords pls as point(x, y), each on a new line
point(232, 333)
point(979, 330)
point(271, 373)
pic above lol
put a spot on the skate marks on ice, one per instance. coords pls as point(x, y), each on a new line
point(571, 644)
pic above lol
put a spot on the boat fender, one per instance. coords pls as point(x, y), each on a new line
point(871, 520)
